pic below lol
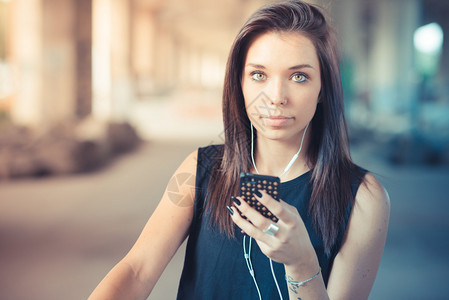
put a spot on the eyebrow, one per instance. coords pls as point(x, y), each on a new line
point(302, 66)
point(296, 67)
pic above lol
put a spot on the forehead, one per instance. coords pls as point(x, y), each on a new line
point(282, 48)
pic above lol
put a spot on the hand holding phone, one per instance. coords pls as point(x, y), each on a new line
point(251, 183)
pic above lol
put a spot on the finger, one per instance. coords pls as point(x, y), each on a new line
point(252, 214)
point(280, 209)
point(246, 226)
point(267, 239)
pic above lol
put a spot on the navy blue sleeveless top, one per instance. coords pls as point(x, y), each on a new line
point(215, 267)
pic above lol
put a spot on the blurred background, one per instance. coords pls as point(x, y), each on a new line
point(100, 100)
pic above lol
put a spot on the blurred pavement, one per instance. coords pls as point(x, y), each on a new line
point(60, 236)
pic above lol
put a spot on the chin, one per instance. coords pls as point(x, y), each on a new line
point(279, 134)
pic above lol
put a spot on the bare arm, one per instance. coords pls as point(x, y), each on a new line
point(137, 273)
point(355, 266)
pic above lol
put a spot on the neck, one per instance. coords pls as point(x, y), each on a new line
point(273, 157)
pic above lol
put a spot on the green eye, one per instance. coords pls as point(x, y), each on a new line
point(299, 77)
point(257, 76)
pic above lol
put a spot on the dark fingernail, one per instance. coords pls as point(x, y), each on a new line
point(258, 194)
point(230, 210)
point(236, 201)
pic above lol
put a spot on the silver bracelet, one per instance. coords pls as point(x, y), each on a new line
point(301, 283)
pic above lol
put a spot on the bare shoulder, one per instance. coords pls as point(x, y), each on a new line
point(371, 212)
point(371, 198)
point(180, 189)
point(188, 166)
point(189, 163)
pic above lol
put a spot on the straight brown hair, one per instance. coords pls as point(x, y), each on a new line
point(328, 152)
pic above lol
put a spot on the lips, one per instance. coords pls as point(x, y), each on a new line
point(276, 121)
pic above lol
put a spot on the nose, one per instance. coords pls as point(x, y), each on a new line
point(277, 92)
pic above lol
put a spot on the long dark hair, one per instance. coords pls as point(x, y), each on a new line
point(328, 151)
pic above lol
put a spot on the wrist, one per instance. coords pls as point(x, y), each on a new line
point(290, 280)
point(306, 258)
point(303, 269)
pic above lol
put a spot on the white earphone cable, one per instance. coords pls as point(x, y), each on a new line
point(248, 255)
point(290, 164)
point(275, 280)
point(249, 264)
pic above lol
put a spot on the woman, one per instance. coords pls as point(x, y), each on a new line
point(283, 116)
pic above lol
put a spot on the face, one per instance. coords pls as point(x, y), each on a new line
point(281, 83)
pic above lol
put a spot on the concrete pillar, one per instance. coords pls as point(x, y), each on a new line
point(143, 36)
point(194, 63)
point(352, 34)
point(184, 58)
point(101, 68)
point(112, 90)
point(408, 79)
point(8, 73)
point(83, 47)
point(67, 47)
point(444, 70)
point(4, 24)
point(26, 56)
point(391, 63)
point(51, 48)
point(59, 60)
point(121, 88)
point(383, 60)
point(164, 58)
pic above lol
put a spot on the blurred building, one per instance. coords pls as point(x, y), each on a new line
point(395, 68)
point(72, 58)
point(69, 59)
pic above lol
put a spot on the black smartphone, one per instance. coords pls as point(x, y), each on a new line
point(251, 183)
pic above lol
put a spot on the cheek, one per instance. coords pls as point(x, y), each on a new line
point(305, 104)
point(250, 95)
point(250, 103)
